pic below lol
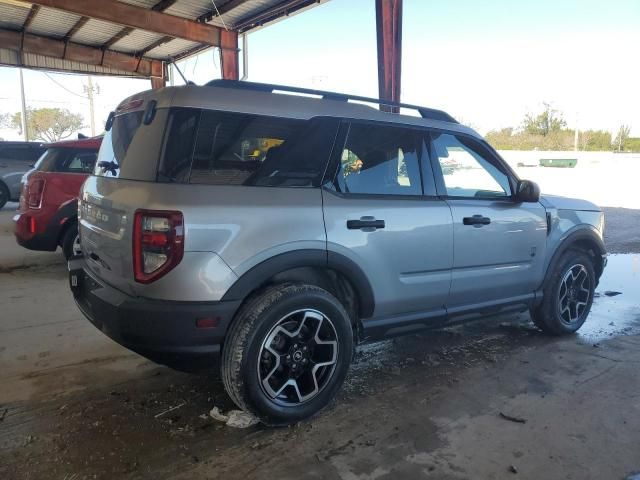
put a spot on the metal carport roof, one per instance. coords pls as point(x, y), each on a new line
point(129, 37)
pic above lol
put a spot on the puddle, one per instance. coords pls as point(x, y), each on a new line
point(618, 314)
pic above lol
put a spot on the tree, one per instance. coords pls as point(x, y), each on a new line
point(632, 144)
point(544, 123)
point(621, 137)
point(48, 124)
point(595, 140)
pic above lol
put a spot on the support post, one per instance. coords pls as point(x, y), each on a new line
point(160, 82)
point(92, 114)
point(389, 35)
point(23, 104)
point(229, 55)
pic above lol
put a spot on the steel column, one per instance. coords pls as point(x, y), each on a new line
point(389, 35)
point(160, 82)
point(229, 55)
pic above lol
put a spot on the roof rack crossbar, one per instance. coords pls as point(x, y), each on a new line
point(424, 112)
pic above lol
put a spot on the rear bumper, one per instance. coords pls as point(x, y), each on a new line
point(163, 331)
point(46, 240)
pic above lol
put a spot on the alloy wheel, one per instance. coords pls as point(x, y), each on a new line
point(574, 294)
point(298, 357)
point(76, 248)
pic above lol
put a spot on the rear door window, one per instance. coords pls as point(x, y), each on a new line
point(381, 160)
point(67, 160)
point(222, 148)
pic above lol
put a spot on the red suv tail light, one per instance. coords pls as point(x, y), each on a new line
point(34, 192)
point(158, 243)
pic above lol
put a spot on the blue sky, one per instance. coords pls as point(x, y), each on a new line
point(488, 63)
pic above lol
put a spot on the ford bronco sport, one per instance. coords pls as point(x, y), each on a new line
point(275, 228)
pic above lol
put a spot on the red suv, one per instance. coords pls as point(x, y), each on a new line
point(48, 212)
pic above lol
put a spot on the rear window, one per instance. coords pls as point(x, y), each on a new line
point(69, 160)
point(116, 143)
point(222, 148)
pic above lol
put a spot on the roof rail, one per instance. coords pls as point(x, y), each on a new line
point(425, 112)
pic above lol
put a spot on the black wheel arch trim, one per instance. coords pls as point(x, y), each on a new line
point(259, 274)
point(69, 213)
point(578, 234)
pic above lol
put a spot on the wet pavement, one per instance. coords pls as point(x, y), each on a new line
point(75, 405)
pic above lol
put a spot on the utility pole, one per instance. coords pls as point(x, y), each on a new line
point(24, 109)
point(90, 90)
point(575, 135)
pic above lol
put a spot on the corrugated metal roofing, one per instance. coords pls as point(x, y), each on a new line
point(190, 8)
point(141, 3)
point(243, 11)
point(50, 22)
point(173, 48)
point(53, 23)
point(12, 16)
point(96, 32)
point(136, 41)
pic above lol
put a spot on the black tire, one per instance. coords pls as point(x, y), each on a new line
point(245, 357)
point(68, 240)
point(4, 194)
point(556, 314)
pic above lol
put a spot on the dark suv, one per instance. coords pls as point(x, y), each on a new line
point(16, 158)
point(277, 231)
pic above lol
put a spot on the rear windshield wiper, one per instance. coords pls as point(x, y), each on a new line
point(109, 166)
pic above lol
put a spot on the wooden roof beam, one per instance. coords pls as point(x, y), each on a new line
point(78, 25)
point(50, 47)
point(30, 16)
point(137, 17)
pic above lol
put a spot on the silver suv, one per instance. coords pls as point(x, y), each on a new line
point(274, 228)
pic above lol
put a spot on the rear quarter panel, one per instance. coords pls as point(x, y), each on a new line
point(228, 230)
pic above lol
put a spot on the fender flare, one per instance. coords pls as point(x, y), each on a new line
point(578, 234)
point(68, 212)
point(259, 274)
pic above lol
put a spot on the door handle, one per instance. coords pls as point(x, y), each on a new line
point(365, 223)
point(477, 221)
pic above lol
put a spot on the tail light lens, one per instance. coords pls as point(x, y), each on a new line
point(158, 243)
point(34, 192)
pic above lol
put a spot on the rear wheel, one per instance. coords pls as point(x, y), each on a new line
point(287, 353)
point(567, 294)
point(71, 242)
point(4, 194)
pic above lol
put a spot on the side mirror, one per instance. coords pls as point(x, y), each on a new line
point(527, 191)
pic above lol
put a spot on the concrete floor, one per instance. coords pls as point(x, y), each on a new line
point(75, 405)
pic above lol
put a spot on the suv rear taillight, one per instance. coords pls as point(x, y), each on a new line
point(34, 191)
point(158, 243)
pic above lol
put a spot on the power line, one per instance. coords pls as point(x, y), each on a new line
point(63, 87)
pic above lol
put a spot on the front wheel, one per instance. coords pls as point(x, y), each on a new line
point(567, 295)
point(287, 353)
